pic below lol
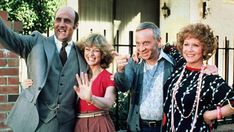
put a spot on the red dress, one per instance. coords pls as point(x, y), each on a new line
point(100, 123)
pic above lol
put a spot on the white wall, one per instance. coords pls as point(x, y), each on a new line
point(178, 18)
point(96, 15)
point(221, 20)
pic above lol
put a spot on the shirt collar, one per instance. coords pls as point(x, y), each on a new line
point(163, 55)
point(59, 43)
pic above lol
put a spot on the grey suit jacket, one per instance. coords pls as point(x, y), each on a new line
point(38, 52)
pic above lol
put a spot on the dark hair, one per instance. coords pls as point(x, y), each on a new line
point(76, 17)
point(201, 32)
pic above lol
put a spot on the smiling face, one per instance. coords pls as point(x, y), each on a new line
point(64, 24)
point(192, 51)
point(92, 56)
point(147, 46)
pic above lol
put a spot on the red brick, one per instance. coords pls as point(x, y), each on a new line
point(4, 53)
point(3, 98)
point(18, 26)
point(3, 62)
point(13, 62)
point(13, 81)
point(9, 71)
point(3, 125)
point(9, 89)
point(11, 55)
point(4, 15)
point(5, 107)
point(3, 80)
point(1, 52)
point(2, 116)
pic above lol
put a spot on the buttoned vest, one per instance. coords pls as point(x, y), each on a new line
point(58, 97)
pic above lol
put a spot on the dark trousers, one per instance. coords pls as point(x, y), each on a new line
point(54, 126)
point(150, 129)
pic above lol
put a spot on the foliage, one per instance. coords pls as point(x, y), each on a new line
point(119, 111)
point(34, 14)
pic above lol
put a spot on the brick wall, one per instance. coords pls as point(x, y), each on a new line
point(9, 76)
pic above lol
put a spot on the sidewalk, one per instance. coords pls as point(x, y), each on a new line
point(225, 128)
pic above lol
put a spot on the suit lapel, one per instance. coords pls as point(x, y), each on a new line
point(49, 49)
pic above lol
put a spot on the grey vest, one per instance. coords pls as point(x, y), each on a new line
point(58, 98)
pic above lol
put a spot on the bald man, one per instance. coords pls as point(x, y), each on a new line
point(49, 104)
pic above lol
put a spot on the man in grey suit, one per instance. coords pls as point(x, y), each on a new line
point(49, 105)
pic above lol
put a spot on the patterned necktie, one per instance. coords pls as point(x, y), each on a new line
point(63, 53)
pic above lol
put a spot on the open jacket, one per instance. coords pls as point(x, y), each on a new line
point(132, 79)
point(38, 52)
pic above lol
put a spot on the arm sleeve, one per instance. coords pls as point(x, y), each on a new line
point(123, 81)
point(222, 93)
point(17, 43)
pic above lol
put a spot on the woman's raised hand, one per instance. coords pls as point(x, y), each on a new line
point(84, 90)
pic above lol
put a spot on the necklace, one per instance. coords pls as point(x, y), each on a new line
point(195, 103)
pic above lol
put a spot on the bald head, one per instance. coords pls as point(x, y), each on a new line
point(70, 11)
point(66, 21)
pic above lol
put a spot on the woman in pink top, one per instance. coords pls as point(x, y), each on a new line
point(96, 90)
